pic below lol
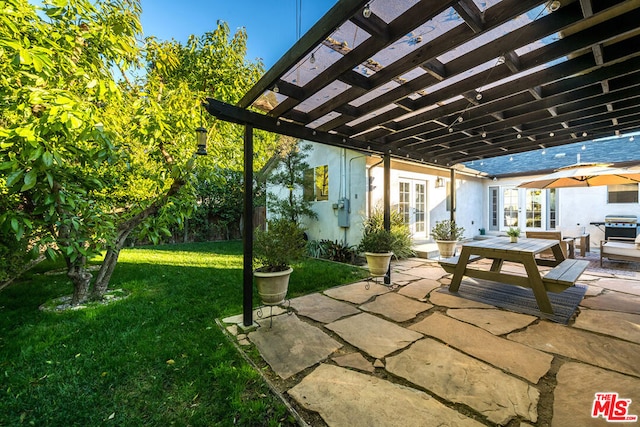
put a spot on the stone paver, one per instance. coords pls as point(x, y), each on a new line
point(576, 389)
point(322, 308)
point(621, 325)
point(373, 335)
point(291, 345)
point(419, 289)
point(461, 379)
point(402, 277)
point(498, 322)
point(593, 290)
point(396, 307)
point(357, 293)
point(427, 272)
point(603, 351)
point(446, 300)
point(347, 398)
point(614, 301)
point(354, 360)
point(518, 359)
point(266, 312)
point(621, 285)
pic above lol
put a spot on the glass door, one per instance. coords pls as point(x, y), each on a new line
point(524, 209)
point(412, 200)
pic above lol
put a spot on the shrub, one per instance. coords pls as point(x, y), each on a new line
point(400, 233)
point(278, 246)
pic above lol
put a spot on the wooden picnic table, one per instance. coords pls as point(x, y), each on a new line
point(524, 251)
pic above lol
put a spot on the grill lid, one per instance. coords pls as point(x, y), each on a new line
point(621, 219)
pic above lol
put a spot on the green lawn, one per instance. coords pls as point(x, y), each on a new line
point(155, 358)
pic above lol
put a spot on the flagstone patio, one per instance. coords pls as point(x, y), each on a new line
point(408, 355)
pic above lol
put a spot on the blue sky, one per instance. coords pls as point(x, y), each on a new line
point(270, 24)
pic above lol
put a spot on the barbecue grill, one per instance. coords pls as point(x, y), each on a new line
point(620, 226)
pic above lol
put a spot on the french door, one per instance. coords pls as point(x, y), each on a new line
point(412, 205)
point(524, 209)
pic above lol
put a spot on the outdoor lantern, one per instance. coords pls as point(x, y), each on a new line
point(439, 182)
point(201, 134)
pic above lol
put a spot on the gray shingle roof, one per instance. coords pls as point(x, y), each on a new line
point(617, 150)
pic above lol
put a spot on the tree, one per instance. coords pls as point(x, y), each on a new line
point(88, 157)
point(290, 167)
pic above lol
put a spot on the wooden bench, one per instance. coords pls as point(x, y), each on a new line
point(449, 264)
point(564, 275)
point(567, 245)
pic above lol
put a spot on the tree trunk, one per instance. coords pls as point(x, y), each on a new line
point(81, 280)
point(124, 229)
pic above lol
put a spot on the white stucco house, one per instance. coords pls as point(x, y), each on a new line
point(349, 185)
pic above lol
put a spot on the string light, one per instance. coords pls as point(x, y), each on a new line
point(276, 89)
point(366, 12)
point(313, 58)
point(584, 147)
point(552, 134)
point(484, 134)
point(478, 96)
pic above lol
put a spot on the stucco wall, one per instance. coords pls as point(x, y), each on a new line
point(349, 173)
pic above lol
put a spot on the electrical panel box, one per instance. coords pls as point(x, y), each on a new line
point(343, 213)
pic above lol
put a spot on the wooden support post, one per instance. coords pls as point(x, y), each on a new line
point(387, 204)
point(452, 183)
point(247, 235)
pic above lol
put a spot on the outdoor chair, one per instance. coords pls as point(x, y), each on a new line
point(566, 244)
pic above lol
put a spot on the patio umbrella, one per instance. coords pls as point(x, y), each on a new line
point(585, 175)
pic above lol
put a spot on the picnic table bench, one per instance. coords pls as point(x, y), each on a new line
point(565, 272)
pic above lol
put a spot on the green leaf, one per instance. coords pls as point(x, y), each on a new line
point(51, 254)
point(7, 165)
point(14, 177)
point(49, 178)
point(47, 159)
point(14, 224)
point(36, 154)
point(30, 180)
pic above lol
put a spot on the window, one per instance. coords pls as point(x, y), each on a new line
point(493, 208)
point(623, 193)
point(316, 183)
point(552, 208)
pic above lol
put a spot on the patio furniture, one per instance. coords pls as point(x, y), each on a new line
point(564, 274)
point(566, 243)
point(582, 241)
point(620, 248)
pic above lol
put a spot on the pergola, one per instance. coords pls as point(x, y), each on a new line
point(444, 82)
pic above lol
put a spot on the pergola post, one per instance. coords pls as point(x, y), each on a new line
point(453, 194)
point(247, 234)
point(387, 205)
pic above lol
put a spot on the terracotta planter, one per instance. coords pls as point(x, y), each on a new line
point(447, 248)
point(272, 287)
point(378, 262)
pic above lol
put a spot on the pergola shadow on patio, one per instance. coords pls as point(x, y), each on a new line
point(414, 355)
point(444, 82)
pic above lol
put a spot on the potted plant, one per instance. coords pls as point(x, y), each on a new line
point(446, 234)
point(377, 246)
point(513, 234)
point(274, 250)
